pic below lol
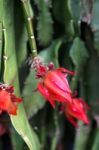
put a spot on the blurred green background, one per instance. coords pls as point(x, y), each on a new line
point(66, 33)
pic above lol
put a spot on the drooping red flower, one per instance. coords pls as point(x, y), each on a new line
point(8, 100)
point(54, 84)
point(76, 109)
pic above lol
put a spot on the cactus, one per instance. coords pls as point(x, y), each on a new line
point(62, 32)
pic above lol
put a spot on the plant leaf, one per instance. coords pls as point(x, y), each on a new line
point(95, 24)
point(62, 12)
point(19, 121)
point(51, 53)
point(33, 101)
point(92, 82)
point(44, 25)
point(20, 33)
point(78, 54)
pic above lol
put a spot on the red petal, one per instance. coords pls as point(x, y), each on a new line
point(57, 79)
point(15, 99)
point(12, 109)
point(4, 99)
point(56, 85)
point(46, 94)
point(6, 104)
point(61, 98)
point(76, 110)
point(43, 90)
point(84, 103)
point(51, 66)
point(66, 71)
point(10, 89)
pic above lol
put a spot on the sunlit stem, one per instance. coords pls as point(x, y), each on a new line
point(29, 26)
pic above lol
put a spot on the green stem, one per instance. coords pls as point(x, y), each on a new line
point(96, 141)
point(43, 130)
point(82, 135)
point(29, 26)
point(56, 135)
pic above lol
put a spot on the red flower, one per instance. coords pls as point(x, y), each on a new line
point(54, 85)
point(8, 101)
point(76, 109)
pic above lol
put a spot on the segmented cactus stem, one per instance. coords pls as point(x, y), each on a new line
point(29, 25)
